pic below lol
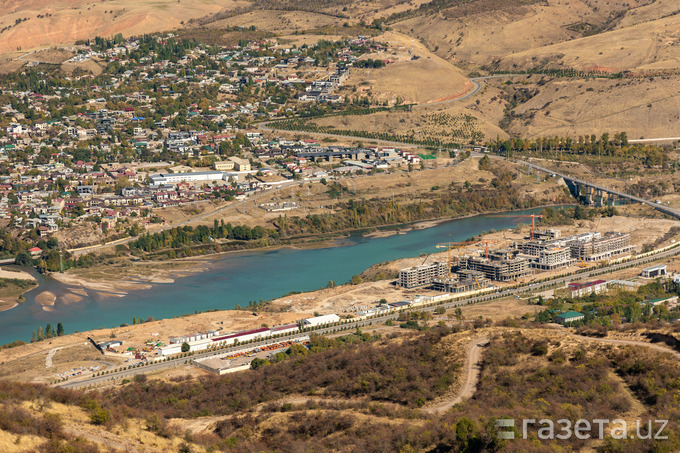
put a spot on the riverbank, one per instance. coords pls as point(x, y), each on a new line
point(14, 283)
point(124, 276)
point(220, 281)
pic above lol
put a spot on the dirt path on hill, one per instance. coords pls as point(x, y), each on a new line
point(656, 347)
point(471, 371)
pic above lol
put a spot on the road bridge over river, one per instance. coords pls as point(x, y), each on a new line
point(596, 192)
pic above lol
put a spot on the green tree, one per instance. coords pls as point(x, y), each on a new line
point(186, 347)
point(100, 416)
point(257, 362)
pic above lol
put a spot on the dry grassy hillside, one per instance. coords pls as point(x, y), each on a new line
point(27, 25)
point(425, 79)
point(650, 45)
point(481, 31)
point(283, 22)
point(641, 107)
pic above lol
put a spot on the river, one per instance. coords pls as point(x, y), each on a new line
point(238, 278)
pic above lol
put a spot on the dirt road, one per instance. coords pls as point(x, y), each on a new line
point(471, 372)
point(653, 346)
point(474, 358)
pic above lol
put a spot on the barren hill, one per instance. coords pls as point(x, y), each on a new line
point(27, 25)
point(453, 38)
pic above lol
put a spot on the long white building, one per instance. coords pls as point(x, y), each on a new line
point(196, 176)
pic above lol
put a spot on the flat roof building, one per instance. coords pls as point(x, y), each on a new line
point(576, 289)
point(240, 164)
point(422, 275)
point(320, 320)
point(196, 176)
point(501, 265)
point(654, 271)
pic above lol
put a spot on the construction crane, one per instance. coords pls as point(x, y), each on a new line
point(598, 225)
point(477, 281)
point(533, 218)
point(486, 243)
point(583, 264)
point(453, 245)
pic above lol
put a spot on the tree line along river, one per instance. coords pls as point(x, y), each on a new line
point(236, 279)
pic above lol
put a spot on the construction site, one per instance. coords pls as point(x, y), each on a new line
point(542, 251)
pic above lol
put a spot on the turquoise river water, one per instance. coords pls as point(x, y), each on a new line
point(238, 278)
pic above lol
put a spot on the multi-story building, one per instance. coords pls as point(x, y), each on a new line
point(602, 248)
point(422, 275)
point(501, 265)
point(552, 258)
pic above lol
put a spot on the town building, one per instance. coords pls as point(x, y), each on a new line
point(225, 165)
point(577, 289)
point(240, 164)
point(569, 317)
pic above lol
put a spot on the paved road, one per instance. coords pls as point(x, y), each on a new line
point(478, 86)
point(649, 140)
point(583, 273)
point(658, 206)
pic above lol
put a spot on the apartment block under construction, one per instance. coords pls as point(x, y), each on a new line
point(463, 281)
point(557, 251)
point(422, 275)
point(610, 245)
point(501, 265)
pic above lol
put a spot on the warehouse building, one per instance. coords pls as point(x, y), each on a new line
point(654, 271)
point(177, 178)
point(176, 348)
point(320, 320)
point(240, 337)
point(287, 328)
point(422, 275)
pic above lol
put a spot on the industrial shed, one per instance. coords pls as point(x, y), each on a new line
point(320, 320)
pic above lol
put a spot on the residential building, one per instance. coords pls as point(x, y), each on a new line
point(422, 275)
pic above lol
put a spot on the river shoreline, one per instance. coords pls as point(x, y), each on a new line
point(113, 293)
point(107, 286)
point(325, 240)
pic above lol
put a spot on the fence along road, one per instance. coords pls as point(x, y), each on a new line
point(351, 325)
